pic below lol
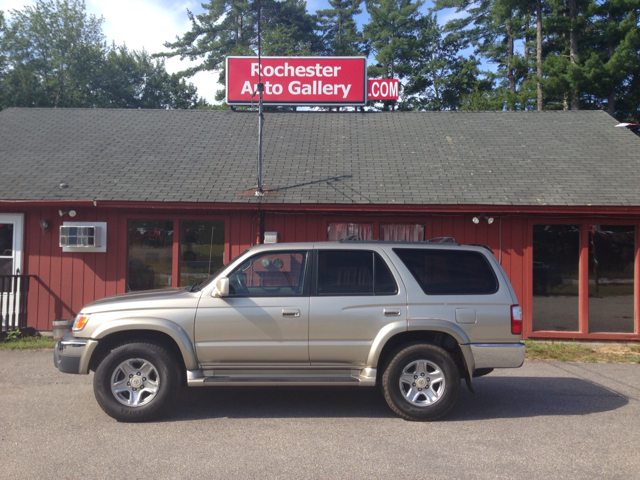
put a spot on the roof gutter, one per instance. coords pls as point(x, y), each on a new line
point(334, 207)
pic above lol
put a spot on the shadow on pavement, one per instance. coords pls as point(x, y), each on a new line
point(495, 397)
point(521, 397)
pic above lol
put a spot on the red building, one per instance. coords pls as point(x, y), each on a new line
point(164, 198)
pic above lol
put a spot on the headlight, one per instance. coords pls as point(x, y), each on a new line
point(81, 321)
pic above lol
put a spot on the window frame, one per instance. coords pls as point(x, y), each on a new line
point(175, 253)
point(306, 281)
point(480, 254)
point(316, 272)
point(583, 332)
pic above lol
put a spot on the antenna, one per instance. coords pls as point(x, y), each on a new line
point(260, 90)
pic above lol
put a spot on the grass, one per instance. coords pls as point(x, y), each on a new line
point(27, 343)
point(550, 351)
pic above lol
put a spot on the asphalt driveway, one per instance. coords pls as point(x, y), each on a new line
point(544, 420)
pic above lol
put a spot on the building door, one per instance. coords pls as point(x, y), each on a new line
point(11, 232)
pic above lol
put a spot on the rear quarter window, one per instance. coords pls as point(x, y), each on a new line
point(449, 272)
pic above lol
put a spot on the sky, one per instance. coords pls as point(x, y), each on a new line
point(149, 23)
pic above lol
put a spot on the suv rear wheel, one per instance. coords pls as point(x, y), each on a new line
point(422, 382)
point(136, 381)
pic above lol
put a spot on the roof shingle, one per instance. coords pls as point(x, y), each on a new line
point(491, 158)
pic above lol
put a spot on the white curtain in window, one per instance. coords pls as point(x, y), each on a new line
point(411, 232)
point(339, 230)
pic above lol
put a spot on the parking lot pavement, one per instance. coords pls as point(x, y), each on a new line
point(544, 420)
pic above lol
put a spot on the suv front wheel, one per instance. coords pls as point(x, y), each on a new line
point(136, 381)
point(422, 382)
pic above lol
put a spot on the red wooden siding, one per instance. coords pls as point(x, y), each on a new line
point(67, 281)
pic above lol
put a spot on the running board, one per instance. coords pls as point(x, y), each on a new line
point(197, 378)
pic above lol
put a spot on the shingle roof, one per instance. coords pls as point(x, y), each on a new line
point(491, 158)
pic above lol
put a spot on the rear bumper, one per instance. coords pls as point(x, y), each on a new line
point(498, 355)
point(71, 354)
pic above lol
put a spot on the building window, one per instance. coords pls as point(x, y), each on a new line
point(611, 278)
point(556, 282)
point(408, 232)
point(201, 249)
point(338, 230)
point(150, 254)
point(6, 249)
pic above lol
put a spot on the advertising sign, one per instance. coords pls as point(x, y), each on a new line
point(326, 81)
point(382, 89)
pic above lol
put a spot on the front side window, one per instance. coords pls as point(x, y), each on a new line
point(269, 274)
point(449, 272)
point(354, 272)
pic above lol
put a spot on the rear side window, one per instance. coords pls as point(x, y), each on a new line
point(449, 272)
point(354, 272)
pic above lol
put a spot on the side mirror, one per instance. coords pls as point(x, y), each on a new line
point(221, 288)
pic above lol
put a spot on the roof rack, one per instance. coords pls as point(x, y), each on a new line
point(443, 240)
point(481, 245)
point(350, 238)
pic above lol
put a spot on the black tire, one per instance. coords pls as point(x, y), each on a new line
point(439, 378)
point(148, 398)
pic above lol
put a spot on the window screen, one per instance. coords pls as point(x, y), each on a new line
point(354, 272)
point(449, 272)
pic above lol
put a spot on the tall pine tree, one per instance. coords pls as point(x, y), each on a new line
point(391, 34)
point(339, 28)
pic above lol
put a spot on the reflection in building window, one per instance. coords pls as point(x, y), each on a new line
point(150, 254)
point(339, 230)
point(201, 249)
point(556, 258)
point(408, 232)
point(611, 278)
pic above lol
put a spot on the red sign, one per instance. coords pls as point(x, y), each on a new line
point(382, 89)
point(330, 81)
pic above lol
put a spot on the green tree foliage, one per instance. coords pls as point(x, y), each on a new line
point(391, 35)
point(440, 75)
point(131, 79)
point(339, 29)
point(590, 53)
point(54, 55)
point(230, 27)
point(53, 50)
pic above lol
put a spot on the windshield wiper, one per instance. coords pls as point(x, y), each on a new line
point(195, 287)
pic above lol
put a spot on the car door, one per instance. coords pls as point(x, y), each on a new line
point(265, 318)
point(355, 295)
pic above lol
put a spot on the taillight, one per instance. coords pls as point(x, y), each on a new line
point(516, 319)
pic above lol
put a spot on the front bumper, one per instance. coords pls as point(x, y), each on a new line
point(71, 354)
point(498, 355)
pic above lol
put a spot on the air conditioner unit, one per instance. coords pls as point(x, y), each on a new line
point(83, 237)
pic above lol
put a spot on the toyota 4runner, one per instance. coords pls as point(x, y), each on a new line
point(414, 318)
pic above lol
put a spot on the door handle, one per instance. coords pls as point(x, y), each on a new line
point(391, 312)
point(290, 313)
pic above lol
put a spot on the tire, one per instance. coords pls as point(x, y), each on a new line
point(136, 381)
point(421, 383)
